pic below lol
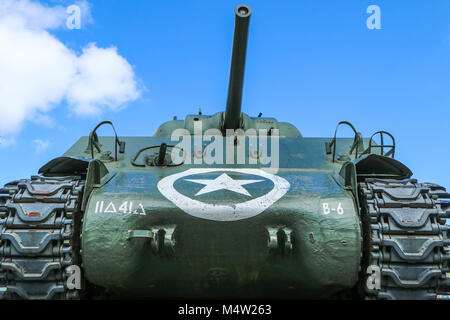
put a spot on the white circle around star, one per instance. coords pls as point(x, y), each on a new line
point(221, 212)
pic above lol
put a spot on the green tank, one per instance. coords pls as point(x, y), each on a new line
point(225, 206)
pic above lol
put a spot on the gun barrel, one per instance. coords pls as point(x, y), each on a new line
point(234, 100)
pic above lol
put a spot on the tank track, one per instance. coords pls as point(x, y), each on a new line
point(39, 237)
point(406, 238)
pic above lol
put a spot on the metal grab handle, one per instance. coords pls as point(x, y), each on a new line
point(382, 145)
point(355, 144)
point(93, 140)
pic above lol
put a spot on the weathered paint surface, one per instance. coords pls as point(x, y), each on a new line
point(316, 220)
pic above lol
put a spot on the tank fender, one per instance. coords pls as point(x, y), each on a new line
point(63, 166)
point(378, 166)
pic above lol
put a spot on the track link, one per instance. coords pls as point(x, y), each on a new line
point(39, 237)
point(406, 238)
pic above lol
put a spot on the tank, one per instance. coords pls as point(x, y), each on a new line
point(225, 206)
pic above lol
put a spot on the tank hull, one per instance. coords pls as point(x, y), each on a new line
point(293, 249)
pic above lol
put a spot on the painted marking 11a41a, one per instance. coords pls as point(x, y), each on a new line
point(125, 207)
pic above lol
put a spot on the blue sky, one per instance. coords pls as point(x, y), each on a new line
point(312, 63)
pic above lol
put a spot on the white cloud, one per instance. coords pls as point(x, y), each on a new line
point(104, 79)
point(31, 15)
point(41, 145)
point(38, 72)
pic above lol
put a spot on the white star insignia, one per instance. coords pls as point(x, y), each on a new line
point(223, 182)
